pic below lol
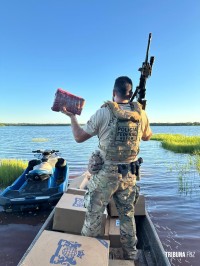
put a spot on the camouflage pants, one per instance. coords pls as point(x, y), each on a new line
point(125, 193)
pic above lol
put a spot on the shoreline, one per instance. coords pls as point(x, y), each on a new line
point(69, 124)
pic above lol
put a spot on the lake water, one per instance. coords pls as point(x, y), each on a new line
point(174, 206)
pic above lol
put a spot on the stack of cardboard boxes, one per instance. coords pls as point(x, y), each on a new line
point(65, 245)
point(70, 214)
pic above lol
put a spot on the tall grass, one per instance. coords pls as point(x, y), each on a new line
point(179, 143)
point(188, 174)
point(10, 169)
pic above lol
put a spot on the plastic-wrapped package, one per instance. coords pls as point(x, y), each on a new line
point(73, 103)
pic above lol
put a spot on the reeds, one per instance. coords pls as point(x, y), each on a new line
point(179, 143)
point(189, 172)
point(40, 140)
point(10, 169)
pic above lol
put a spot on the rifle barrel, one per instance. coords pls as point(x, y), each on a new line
point(147, 53)
point(146, 67)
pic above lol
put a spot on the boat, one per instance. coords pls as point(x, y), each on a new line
point(149, 245)
point(40, 186)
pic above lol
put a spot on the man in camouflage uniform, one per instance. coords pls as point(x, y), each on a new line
point(119, 125)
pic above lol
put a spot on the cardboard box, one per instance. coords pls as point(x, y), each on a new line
point(139, 207)
point(114, 233)
point(65, 249)
point(121, 263)
point(112, 209)
point(76, 191)
point(70, 214)
point(80, 181)
point(76, 182)
point(84, 183)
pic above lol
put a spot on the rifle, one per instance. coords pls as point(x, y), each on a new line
point(145, 70)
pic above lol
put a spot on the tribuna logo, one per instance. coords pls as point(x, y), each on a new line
point(180, 254)
point(175, 254)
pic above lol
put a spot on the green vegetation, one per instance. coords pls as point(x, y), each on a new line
point(179, 143)
point(188, 173)
point(40, 140)
point(10, 169)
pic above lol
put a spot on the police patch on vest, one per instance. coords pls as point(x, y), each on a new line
point(67, 252)
point(126, 131)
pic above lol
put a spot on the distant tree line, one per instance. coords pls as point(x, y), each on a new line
point(152, 124)
point(176, 124)
point(32, 124)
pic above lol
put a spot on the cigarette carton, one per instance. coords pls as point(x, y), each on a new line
point(73, 104)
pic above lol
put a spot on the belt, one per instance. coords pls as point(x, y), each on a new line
point(120, 168)
point(133, 167)
point(124, 168)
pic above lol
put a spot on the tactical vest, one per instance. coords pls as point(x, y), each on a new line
point(123, 139)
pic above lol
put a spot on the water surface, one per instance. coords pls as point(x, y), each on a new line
point(174, 213)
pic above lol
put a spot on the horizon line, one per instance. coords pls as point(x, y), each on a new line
point(68, 124)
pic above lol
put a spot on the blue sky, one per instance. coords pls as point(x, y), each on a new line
point(83, 45)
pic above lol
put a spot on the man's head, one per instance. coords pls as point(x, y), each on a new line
point(122, 89)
